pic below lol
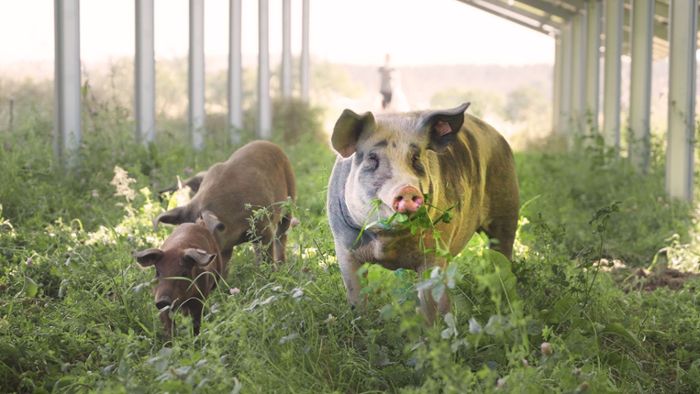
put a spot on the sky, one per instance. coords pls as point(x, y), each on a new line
point(414, 32)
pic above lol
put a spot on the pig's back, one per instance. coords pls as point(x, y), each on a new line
point(259, 173)
point(498, 189)
point(481, 137)
point(479, 179)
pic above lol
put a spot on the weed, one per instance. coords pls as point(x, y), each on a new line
point(76, 314)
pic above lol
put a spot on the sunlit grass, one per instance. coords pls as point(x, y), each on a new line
point(76, 311)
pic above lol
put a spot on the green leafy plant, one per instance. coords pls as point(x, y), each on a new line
point(76, 312)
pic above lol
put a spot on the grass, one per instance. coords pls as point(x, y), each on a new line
point(77, 315)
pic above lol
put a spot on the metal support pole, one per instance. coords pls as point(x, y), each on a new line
point(145, 70)
point(235, 87)
point(594, 15)
point(578, 102)
point(286, 49)
point(11, 122)
point(305, 61)
point(640, 81)
point(196, 73)
point(556, 93)
point(264, 116)
point(614, 11)
point(565, 124)
point(681, 99)
point(67, 81)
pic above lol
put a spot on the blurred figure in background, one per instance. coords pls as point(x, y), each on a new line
point(385, 83)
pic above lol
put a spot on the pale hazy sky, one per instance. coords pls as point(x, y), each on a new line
point(342, 31)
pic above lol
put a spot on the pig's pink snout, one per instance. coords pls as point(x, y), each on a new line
point(407, 200)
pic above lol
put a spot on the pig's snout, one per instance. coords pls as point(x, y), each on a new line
point(163, 301)
point(407, 200)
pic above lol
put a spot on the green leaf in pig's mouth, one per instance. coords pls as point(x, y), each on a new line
point(398, 223)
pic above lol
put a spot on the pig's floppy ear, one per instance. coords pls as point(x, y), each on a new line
point(148, 257)
point(443, 126)
point(174, 216)
point(348, 129)
point(214, 225)
point(212, 222)
point(198, 256)
point(195, 182)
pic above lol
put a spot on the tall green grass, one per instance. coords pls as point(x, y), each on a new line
point(76, 312)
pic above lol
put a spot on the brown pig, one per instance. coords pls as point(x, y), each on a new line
point(188, 266)
point(389, 163)
point(258, 175)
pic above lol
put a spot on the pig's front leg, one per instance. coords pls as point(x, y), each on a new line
point(167, 323)
point(196, 312)
point(265, 246)
point(349, 266)
point(429, 306)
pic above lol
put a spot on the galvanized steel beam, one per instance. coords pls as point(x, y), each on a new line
point(67, 127)
point(145, 73)
point(557, 85)
point(565, 122)
point(680, 150)
point(660, 28)
point(286, 49)
point(196, 74)
point(574, 4)
point(264, 111)
point(235, 87)
point(549, 8)
point(305, 54)
point(640, 82)
point(578, 90)
point(611, 87)
point(507, 7)
point(500, 12)
point(594, 15)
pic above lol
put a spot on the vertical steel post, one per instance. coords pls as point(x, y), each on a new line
point(680, 151)
point(11, 122)
point(556, 89)
point(565, 123)
point(286, 49)
point(67, 133)
point(305, 57)
point(594, 14)
point(235, 69)
point(196, 73)
point(264, 116)
point(640, 82)
point(614, 12)
point(578, 102)
point(145, 70)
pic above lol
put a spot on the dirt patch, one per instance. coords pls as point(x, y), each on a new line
point(636, 279)
point(642, 279)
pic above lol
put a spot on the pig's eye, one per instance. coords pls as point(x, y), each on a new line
point(372, 162)
point(417, 165)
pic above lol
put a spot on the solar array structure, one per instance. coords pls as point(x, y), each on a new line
point(588, 30)
point(67, 133)
point(584, 31)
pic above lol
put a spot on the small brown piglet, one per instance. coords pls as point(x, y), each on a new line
point(188, 266)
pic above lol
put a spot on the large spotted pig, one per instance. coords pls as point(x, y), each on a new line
point(388, 163)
